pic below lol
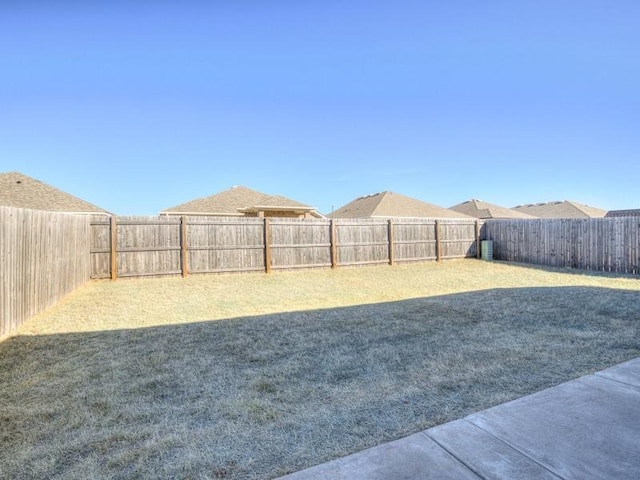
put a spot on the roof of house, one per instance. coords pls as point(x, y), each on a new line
point(22, 191)
point(389, 204)
point(564, 209)
point(236, 201)
point(623, 213)
point(480, 209)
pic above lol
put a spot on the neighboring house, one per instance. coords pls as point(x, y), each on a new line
point(484, 210)
point(623, 213)
point(244, 202)
point(389, 205)
point(18, 190)
point(565, 209)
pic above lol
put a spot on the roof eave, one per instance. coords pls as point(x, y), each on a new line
point(202, 214)
point(276, 208)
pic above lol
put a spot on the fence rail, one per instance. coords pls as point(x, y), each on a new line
point(43, 256)
point(142, 246)
point(602, 244)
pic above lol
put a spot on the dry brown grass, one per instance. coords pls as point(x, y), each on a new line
point(136, 303)
point(253, 376)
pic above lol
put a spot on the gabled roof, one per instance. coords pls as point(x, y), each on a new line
point(389, 204)
point(22, 191)
point(480, 209)
point(623, 213)
point(237, 201)
point(564, 209)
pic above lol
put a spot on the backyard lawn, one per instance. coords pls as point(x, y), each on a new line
point(255, 375)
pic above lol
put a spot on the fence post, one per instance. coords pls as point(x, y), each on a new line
point(267, 246)
point(183, 246)
point(477, 238)
point(390, 237)
point(114, 247)
point(438, 242)
point(334, 245)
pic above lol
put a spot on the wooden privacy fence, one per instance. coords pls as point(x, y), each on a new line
point(140, 246)
point(43, 256)
point(603, 244)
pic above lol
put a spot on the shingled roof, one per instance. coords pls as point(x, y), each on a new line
point(564, 209)
point(480, 209)
point(22, 191)
point(242, 201)
point(623, 213)
point(389, 204)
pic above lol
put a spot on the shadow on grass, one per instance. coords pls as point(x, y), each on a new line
point(259, 397)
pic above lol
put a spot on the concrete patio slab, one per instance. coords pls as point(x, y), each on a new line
point(627, 372)
point(416, 456)
point(484, 454)
point(588, 428)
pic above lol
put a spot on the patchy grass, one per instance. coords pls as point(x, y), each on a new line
point(254, 376)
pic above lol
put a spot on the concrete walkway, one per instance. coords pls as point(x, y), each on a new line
point(588, 428)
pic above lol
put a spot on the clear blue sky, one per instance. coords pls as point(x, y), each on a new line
point(139, 106)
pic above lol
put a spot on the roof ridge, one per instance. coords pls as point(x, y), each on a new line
point(236, 199)
point(578, 206)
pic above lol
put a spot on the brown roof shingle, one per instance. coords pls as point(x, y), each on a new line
point(623, 213)
point(564, 209)
point(480, 209)
point(232, 201)
point(22, 191)
point(389, 204)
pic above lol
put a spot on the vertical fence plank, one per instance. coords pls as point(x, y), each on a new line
point(438, 241)
point(184, 255)
point(267, 246)
point(391, 243)
point(334, 244)
point(114, 248)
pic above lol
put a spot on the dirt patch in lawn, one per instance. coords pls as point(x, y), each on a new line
point(255, 376)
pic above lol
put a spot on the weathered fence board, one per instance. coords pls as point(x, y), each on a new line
point(43, 257)
point(458, 238)
point(602, 244)
point(100, 247)
point(172, 245)
point(362, 242)
point(219, 244)
point(148, 247)
point(300, 243)
point(414, 240)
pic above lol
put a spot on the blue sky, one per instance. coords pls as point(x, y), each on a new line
point(140, 106)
